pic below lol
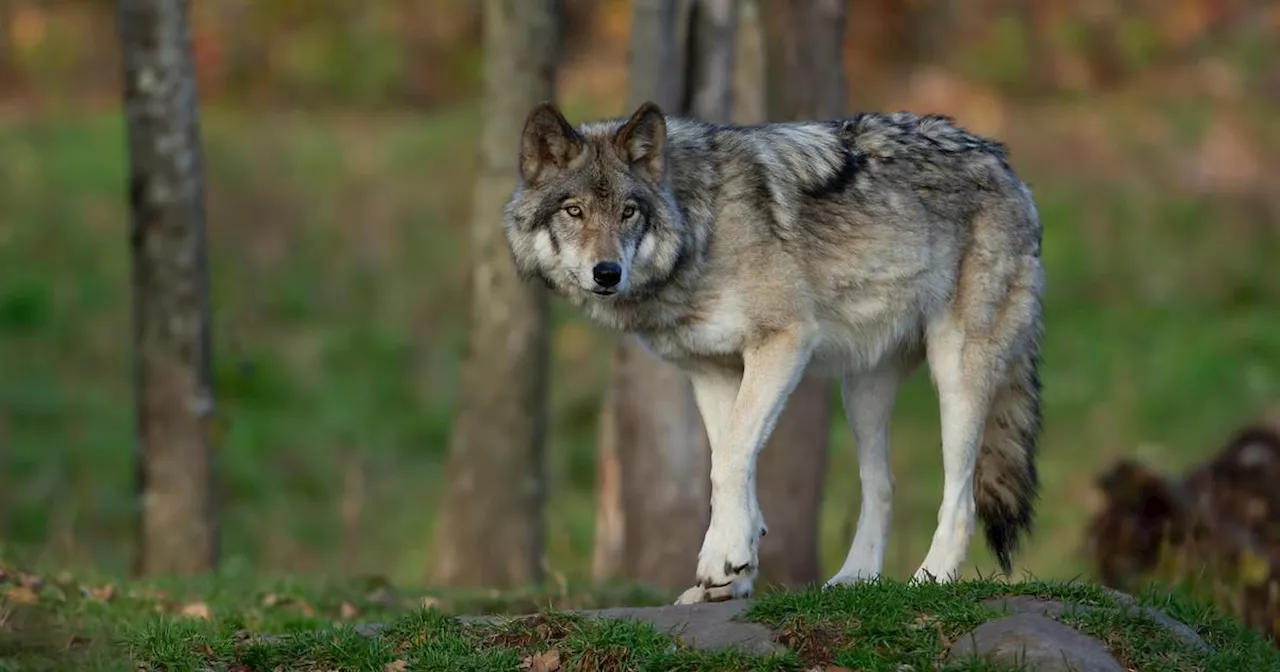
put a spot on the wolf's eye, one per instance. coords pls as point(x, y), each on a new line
point(574, 211)
point(628, 211)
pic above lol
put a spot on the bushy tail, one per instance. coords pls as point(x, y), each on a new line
point(1006, 484)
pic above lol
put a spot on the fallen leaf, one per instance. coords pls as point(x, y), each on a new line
point(105, 593)
point(197, 610)
point(395, 666)
point(547, 661)
point(21, 595)
point(348, 611)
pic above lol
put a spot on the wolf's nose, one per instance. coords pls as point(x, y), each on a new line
point(607, 273)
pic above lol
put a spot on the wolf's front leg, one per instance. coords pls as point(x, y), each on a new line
point(729, 557)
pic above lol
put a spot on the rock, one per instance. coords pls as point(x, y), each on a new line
point(1054, 609)
point(709, 625)
point(1037, 642)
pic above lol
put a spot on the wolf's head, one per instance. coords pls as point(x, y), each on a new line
point(593, 215)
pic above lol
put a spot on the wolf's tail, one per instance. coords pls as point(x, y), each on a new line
point(1006, 484)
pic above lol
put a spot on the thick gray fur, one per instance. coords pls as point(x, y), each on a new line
point(868, 244)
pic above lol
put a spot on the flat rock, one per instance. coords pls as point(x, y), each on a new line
point(712, 625)
point(1037, 642)
point(702, 626)
point(1054, 609)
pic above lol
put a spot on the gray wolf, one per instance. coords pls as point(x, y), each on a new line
point(857, 248)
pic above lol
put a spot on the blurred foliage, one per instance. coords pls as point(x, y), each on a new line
point(1214, 533)
point(395, 52)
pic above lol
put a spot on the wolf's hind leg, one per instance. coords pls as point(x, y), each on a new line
point(970, 349)
point(868, 404)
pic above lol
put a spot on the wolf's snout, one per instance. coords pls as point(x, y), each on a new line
point(607, 274)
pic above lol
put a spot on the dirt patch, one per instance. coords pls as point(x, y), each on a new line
point(815, 643)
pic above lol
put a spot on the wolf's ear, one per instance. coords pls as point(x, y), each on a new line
point(642, 141)
point(548, 144)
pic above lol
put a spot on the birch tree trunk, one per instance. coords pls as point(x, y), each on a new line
point(177, 509)
point(489, 530)
point(654, 490)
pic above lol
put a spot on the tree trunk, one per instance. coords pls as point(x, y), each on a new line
point(178, 525)
point(8, 71)
point(651, 520)
point(490, 531)
point(805, 80)
point(750, 104)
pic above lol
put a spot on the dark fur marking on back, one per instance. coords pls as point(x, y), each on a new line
point(839, 183)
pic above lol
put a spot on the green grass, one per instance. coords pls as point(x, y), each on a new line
point(234, 621)
point(338, 266)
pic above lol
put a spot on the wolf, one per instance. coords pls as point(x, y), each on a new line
point(855, 248)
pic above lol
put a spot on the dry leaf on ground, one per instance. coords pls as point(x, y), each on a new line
point(547, 661)
point(21, 595)
point(197, 610)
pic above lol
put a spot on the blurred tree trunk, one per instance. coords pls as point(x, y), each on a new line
point(928, 34)
point(8, 71)
point(489, 531)
point(178, 525)
point(750, 104)
point(804, 80)
point(654, 490)
point(1037, 19)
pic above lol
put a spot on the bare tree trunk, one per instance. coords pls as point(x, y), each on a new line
point(178, 523)
point(490, 531)
point(750, 104)
point(651, 432)
point(805, 80)
point(8, 71)
point(656, 73)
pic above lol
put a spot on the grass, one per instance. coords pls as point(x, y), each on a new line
point(337, 265)
point(230, 621)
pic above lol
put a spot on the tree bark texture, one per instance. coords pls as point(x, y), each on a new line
point(177, 509)
point(490, 531)
point(804, 80)
point(650, 520)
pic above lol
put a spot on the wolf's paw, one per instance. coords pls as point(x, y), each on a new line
point(728, 562)
point(845, 579)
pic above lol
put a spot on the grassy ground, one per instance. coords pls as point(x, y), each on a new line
point(338, 264)
point(216, 623)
